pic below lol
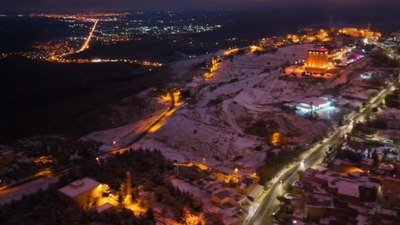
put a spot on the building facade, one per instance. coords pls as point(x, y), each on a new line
point(317, 60)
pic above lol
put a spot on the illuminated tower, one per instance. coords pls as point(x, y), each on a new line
point(317, 60)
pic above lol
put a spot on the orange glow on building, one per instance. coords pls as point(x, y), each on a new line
point(323, 36)
point(191, 219)
point(255, 48)
point(354, 32)
point(44, 160)
point(233, 177)
point(276, 138)
point(317, 58)
point(350, 170)
point(168, 96)
point(231, 51)
point(215, 64)
point(293, 38)
point(190, 164)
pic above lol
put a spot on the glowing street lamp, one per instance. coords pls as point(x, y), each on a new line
point(98, 160)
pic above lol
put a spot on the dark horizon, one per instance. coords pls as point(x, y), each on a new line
point(382, 17)
point(71, 6)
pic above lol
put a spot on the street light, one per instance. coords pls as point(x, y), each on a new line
point(98, 160)
point(302, 164)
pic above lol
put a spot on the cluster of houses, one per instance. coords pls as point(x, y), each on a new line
point(345, 194)
point(238, 199)
point(248, 188)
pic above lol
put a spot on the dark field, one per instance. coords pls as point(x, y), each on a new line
point(46, 98)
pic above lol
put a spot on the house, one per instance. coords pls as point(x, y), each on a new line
point(225, 196)
point(83, 192)
point(348, 190)
point(389, 214)
point(318, 206)
point(353, 193)
point(246, 185)
point(391, 190)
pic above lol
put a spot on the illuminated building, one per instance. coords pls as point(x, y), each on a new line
point(192, 219)
point(317, 60)
point(246, 185)
point(314, 104)
point(231, 51)
point(276, 138)
point(359, 33)
point(88, 195)
point(214, 64)
point(255, 48)
point(81, 191)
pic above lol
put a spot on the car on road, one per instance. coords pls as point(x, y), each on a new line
point(388, 141)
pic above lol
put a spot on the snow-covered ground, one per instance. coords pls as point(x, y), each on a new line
point(248, 86)
point(187, 139)
point(242, 90)
point(186, 67)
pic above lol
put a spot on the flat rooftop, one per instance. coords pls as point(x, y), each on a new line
point(78, 187)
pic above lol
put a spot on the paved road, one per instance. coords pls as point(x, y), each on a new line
point(146, 130)
point(30, 185)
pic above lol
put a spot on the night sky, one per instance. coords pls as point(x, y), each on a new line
point(131, 5)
